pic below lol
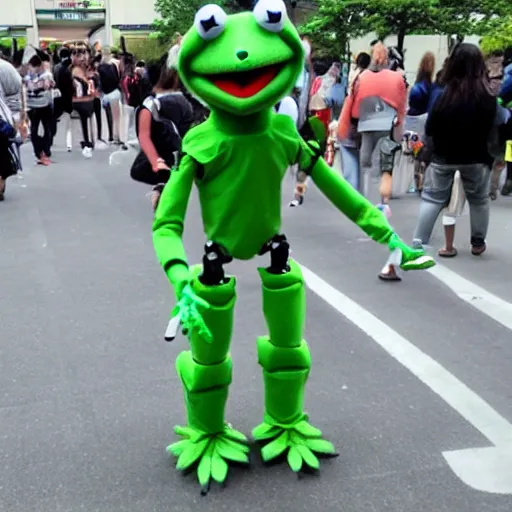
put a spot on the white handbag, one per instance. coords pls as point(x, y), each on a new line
point(458, 197)
point(403, 174)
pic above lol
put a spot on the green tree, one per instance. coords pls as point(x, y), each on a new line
point(177, 16)
point(352, 18)
point(498, 38)
point(472, 17)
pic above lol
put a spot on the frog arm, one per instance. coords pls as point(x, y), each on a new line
point(345, 198)
point(169, 222)
point(359, 210)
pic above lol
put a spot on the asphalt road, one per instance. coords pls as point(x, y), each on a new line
point(89, 395)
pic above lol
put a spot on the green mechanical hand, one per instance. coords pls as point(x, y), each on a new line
point(188, 312)
point(410, 259)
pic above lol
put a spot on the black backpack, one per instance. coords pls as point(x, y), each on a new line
point(165, 134)
point(166, 139)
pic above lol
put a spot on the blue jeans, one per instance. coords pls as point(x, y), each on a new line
point(350, 165)
point(436, 194)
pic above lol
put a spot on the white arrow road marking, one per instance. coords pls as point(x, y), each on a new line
point(484, 469)
point(489, 304)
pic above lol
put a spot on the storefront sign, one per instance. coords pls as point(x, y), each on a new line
point(127, 28)
point(85, 4)
point(69, 15)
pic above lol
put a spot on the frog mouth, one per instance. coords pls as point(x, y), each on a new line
point(245, 84)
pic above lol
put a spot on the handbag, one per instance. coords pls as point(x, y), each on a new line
point(457, 198)
point(9, 160)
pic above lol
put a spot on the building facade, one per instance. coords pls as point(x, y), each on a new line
point(96, 21)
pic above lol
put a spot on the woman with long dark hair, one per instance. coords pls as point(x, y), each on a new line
point(132, 97)
point(460, 126)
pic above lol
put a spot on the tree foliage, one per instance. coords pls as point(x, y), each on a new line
point(472, 17)
point(177, 16)
point(498, 38)
point(337, 20)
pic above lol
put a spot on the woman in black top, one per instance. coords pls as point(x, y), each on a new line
point(163, 120)
point(460, 126)
point(64, 104)
point(94, 80)
point(111, 90)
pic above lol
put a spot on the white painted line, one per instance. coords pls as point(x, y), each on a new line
point(477, 412)
point(486, 302)
point(467, 403)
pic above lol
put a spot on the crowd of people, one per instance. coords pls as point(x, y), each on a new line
point(452, 125)
point(457, 118)
point(144, 106)
point(46, 91)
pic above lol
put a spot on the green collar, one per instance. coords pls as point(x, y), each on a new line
point(241, 125)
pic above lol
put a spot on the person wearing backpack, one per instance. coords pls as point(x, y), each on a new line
point(9, 160)
point(163, 119)
point(131, 88)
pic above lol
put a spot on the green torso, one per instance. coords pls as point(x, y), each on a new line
point(240, 192)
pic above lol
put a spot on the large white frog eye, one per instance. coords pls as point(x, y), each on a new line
point(210, 21)
point(270, 14)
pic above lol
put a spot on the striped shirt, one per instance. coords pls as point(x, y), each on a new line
point(11, 83)
point(37, 95)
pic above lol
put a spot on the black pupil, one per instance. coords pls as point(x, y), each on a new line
point(209, 23)
point(274, 17)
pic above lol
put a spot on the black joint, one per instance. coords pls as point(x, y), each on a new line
point(279, 249)
point(215, 256)
point(173, 262)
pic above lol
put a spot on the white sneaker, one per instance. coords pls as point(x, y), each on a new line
point(87, 152)
point(100, 145)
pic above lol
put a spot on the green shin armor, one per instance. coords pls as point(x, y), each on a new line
point(205, 372)
point(286, 361)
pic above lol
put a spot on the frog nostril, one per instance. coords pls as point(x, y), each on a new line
point(242, 54)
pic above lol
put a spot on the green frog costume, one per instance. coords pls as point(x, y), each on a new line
point(241, 65)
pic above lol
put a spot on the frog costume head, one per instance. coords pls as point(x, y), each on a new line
point(242, 63)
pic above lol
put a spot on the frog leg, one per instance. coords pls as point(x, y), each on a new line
point(286, 362)
point(208, 442)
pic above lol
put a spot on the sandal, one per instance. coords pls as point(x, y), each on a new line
point(445, 253)
point(390, 275)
